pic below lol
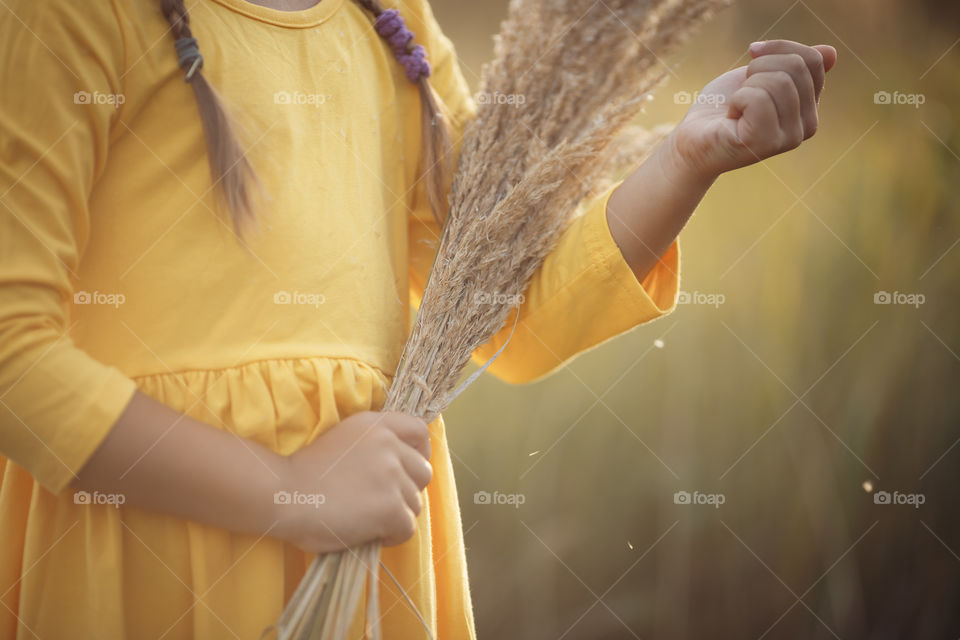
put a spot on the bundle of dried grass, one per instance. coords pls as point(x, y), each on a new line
point(584, 69)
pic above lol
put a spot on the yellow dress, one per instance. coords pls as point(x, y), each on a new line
point(117, 272)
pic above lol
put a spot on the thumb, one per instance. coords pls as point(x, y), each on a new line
point(829, 55)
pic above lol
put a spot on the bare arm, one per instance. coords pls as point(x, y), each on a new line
point(362, 477)
point(647, 211)
point(163, 461)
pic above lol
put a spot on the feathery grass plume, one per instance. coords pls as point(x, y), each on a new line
point(584, 70)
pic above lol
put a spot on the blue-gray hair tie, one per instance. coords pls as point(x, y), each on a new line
point(188, 56)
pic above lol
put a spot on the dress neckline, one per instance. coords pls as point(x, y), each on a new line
point(311, 17)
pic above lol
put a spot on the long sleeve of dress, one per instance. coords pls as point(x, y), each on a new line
point(584, 294)
point(56, 402)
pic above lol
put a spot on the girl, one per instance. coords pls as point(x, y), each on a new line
point(199, 315)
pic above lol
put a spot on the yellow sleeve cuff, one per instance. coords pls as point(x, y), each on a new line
point(584, 295)
point(70, 444)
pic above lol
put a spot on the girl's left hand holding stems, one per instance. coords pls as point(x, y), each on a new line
point(743, 116)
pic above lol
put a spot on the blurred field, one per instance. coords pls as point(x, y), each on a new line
point(785, 399)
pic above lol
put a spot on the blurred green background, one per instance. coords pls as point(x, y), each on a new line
point(786, 399)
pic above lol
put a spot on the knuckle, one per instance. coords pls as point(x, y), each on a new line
point(741, 95)
point(423, 478)
point(794, 137)
point(393, 515)
point(402, 525)
point(380, 436)
point(387, 472)
point(423, 429)
point(398, 509)
point(409, 526)
point(782, 80)
point(814, 57)
point(389, 419)
point(782, 142)
point(395, 469)
point(796, 63)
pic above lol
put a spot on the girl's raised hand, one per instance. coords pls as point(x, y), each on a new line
point(358, 482)
point(756, 111)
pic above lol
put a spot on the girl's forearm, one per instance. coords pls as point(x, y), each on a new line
point(647, 211)
point(163, 461)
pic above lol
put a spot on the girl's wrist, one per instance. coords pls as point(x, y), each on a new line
point(647, 211)
point(279, 511)
point(297, 515)
point(678, 170)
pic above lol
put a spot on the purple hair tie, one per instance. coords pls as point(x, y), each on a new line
point(388, 22)
point(399, 39)
point(415, 63)
point(390, 26)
